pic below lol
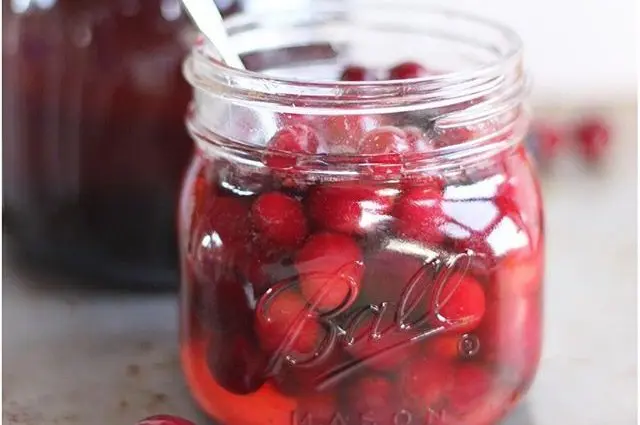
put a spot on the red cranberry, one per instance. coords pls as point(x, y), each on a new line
point(284, 322)
point(357, 73)
point(384, 140)
point(459, 302)
point(351, 207)
point(381, 346)
point(455, 136)
point(164, 420)
point(510, 334)
point(318, 408)
point(236, 362)
point(424, 381)
point(472, 386)
point(548, 139)
point(419, 215)
point(262, 270)
point(280, 219)
point(331, 268)
point(407, 70)
point(372, 396)
point(343, 133)
point(289, 142)
point(444, 347)
point(518, 274)
point(385, 146)
point(593, 138)
point(221, 237)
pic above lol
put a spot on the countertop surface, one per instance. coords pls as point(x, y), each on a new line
point(80, 357)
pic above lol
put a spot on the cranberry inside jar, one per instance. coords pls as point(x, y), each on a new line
point(93, 138)
point(358, 249)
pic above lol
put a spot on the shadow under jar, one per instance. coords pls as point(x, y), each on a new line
point(360, 252)
point(94, 144)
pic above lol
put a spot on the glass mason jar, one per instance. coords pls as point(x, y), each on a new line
point(94, 141)
point(360, 252)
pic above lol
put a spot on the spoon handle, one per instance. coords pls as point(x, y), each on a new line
point(207, 18)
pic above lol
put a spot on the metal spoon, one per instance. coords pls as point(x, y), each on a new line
point(207, 17)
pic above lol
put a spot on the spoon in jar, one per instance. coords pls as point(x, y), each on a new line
point(207, 17)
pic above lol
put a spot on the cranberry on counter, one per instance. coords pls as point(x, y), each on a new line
point(593, 138)
point(548, 139)
point(164, 420)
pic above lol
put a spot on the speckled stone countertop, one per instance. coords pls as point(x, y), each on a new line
point(76, 357)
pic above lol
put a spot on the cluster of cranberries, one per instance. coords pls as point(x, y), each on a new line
point(384, 298)
point(402, 71)
point(590, 137)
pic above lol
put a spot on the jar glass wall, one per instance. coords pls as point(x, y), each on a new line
point(358, 252)
point(94, 145)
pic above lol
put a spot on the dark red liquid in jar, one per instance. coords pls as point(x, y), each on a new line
point(400, 301)
point(93, 137)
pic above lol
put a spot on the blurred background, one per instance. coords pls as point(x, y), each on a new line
point(84, 81)
point(579, 52)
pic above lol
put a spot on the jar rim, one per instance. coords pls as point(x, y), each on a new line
point(488, 98)
point(205, 71)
